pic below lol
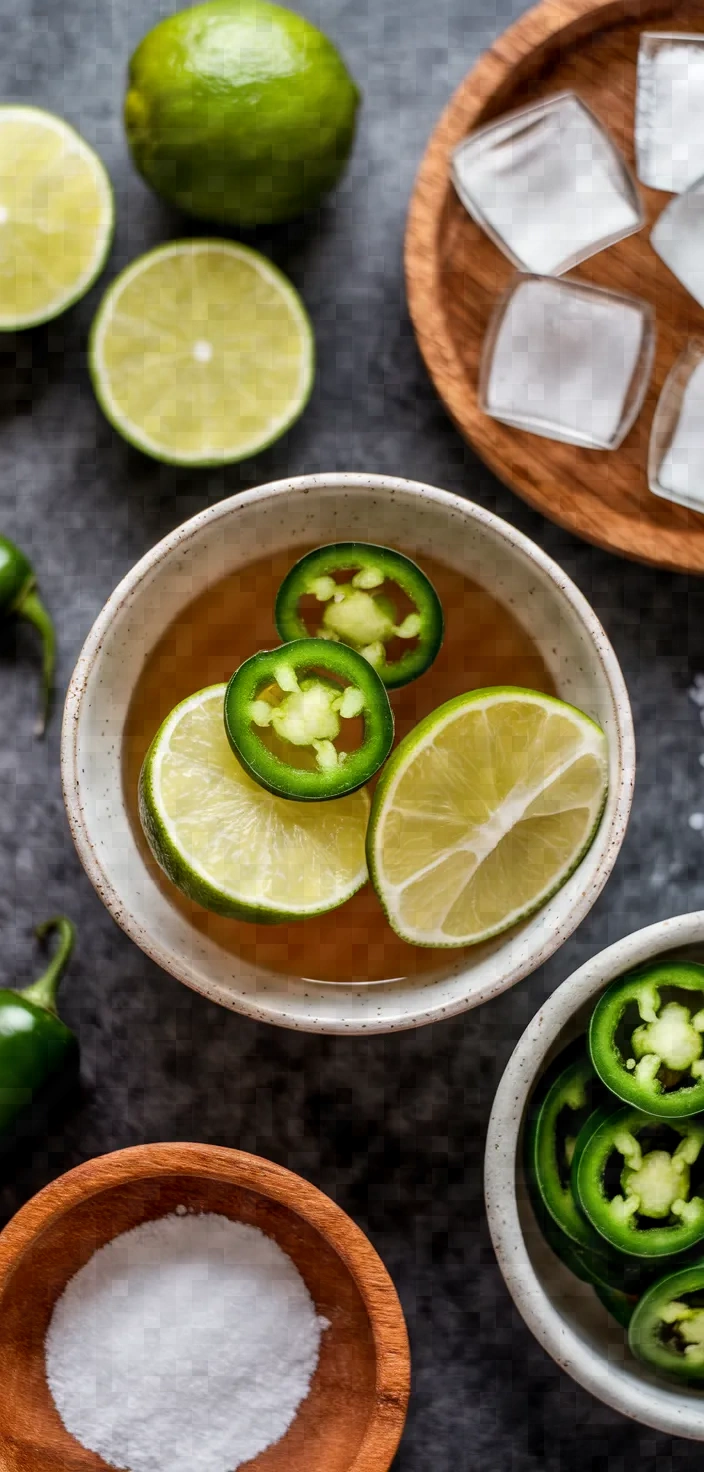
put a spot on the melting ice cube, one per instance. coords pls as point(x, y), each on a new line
point(670, 110)
point(567, 361)
point(678, 238)
point(676, 455)
point(548, 185)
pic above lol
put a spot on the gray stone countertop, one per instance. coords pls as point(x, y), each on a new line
point(392, 1128)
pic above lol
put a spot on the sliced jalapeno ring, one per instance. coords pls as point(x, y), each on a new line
point(601, 1268)
point(304, 693)
point(667, 1327)
point(551, 1136)
point(563, 1102)
point(646, 1039)
point(360, 612)
point(636, 1178)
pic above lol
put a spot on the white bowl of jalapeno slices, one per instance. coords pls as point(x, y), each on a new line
point(594, 1176)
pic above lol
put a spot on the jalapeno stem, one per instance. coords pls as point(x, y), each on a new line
point(43, 991)
point(30, 606)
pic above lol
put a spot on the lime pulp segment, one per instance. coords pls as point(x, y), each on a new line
point(202, 353)
point(229, 844)
point(56, 216)
point(483, 812)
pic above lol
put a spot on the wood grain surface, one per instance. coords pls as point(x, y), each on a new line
point(454, 275)
point(354, 1414)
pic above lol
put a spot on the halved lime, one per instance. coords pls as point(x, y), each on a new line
point(228, 843)
point(202, 353)
point(482, 812)
point(56, 217)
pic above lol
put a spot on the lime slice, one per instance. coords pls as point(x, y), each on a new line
point(231, 845)
point(202, 353)
point(56, 217)
point(482, 812)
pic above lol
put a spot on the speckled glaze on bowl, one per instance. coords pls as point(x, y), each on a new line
point(290, 514)
point(564, 1314)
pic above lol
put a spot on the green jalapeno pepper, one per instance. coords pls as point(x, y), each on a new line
point(564, 1248)
point(303, 693)
point(551, 1137)
point(620, 1305)
point(646, 1039)
point(604, 1268)
point(360, 613)
point(37, 1049)
point(19, 597)
point(633, 1176)
point(667, 1327)
point(555, 1125)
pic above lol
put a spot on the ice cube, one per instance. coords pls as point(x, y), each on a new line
point(678, 238)
point(547, 184)
point(670, 110)
point(676, 454)
point(567, 361)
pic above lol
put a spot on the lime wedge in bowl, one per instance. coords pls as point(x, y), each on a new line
point(56, 217)
point(482, 813)
point(202, 353)
point(229, 844)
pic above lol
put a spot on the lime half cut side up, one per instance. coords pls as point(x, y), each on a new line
point(202, 353)
point(229, 844)
point(482, 813)
point(56, 217)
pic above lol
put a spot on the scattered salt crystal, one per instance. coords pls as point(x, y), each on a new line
point(676, 456)
point(567, 361)
point(696, 821)
point(547, 184)
point(184, 1345)
point(669, 129)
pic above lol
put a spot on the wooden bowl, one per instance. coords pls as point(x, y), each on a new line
point(454, 275)
point(352, 1419)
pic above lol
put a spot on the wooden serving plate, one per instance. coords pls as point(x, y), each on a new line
point(354, 1414)
point(454, 275)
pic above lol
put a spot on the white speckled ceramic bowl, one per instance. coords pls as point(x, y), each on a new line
point(229, 535)
point(564, 1314)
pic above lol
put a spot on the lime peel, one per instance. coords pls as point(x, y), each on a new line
point(507, 794)
point(229, 844)
point(57, 216)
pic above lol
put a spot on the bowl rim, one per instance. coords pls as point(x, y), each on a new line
point(414, 1014)
point(240, 1168)
point(587, 1366)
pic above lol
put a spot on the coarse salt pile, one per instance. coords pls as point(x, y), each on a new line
point(184, 1345)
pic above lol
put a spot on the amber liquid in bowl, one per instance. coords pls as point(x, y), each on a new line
point(484, 645)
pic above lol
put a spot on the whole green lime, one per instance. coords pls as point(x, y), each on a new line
point(239, 111)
